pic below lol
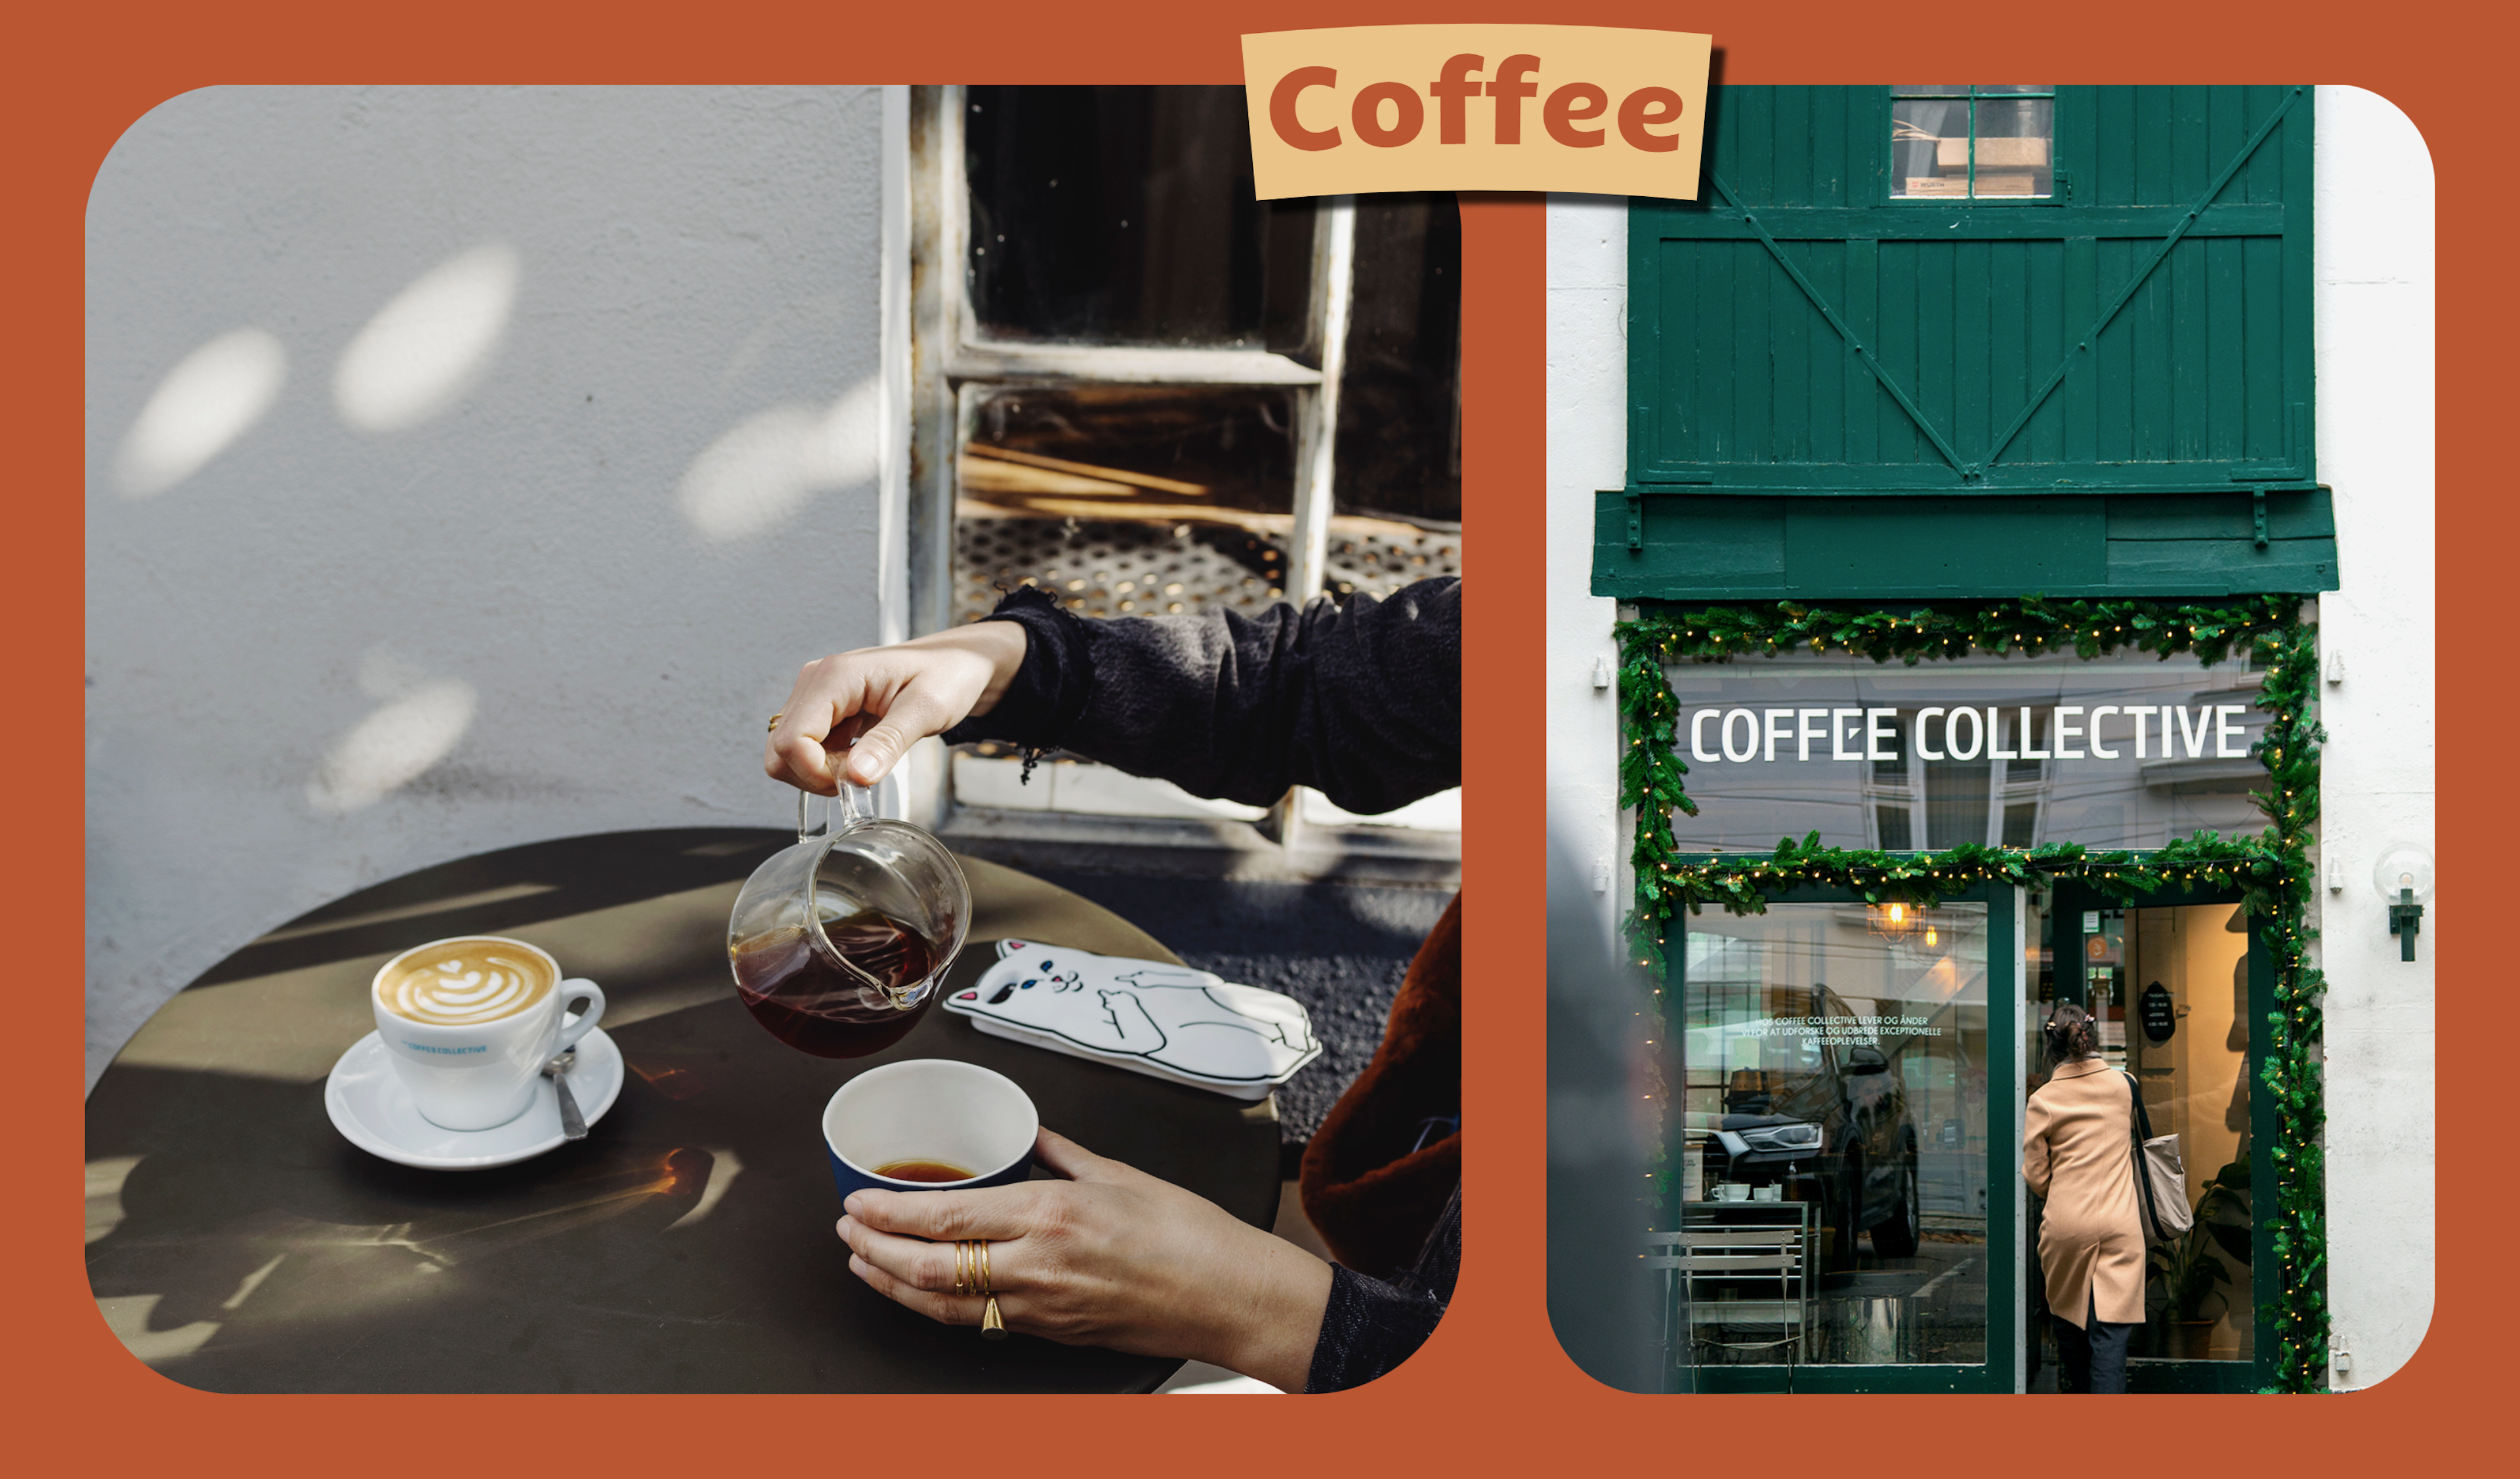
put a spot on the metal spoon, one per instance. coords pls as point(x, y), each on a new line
point(572, 1125)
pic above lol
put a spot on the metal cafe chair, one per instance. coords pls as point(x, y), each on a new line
point(1745, 1270)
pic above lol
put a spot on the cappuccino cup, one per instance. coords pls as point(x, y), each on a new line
point(469, 1022)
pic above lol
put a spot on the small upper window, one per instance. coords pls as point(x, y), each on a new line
point(1125, 216)
point(1954, 142)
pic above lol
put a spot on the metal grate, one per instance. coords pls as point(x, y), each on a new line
point(1133, 569)
point(1387, 555)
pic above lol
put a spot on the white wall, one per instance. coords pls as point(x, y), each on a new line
point(2375, 447)
point(2374, 305)
point(1587, 451)
point(532, 553)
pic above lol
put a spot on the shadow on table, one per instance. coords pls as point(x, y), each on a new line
point(505, 891)
point(238, 1243)
point(685, 1245)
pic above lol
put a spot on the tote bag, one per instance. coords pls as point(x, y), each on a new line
point(2160, 1178)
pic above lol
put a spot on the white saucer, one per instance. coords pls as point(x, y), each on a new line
point(373, 1110)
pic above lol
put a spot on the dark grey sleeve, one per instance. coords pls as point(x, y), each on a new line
point(1371, 1327)
point(1367, 1328)
point(1361, 702)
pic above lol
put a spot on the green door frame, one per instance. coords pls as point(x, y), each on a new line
point(2069, 898)
point(2003, 1299)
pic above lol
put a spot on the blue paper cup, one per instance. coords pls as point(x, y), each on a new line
point(930, 1109)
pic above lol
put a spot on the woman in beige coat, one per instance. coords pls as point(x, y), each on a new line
point(2077, 1151)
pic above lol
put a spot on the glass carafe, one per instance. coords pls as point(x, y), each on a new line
point(839, 943)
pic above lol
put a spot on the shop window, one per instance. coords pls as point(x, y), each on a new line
point(1149, 394)
point(1951, 142)
point(1985, 751)
point(1834, 1088)
point(1957, 800)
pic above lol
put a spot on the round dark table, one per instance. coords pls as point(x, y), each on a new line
point(238, 1243)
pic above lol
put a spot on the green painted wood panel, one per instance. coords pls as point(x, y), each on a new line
point(1728, 547)
point(1738, 373)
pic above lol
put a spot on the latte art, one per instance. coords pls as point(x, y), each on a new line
point(458, 983)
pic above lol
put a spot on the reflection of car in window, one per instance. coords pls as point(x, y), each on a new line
point(1945, 1091)
point(1830, 1124)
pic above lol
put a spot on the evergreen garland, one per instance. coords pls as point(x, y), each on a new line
point(2272, 869)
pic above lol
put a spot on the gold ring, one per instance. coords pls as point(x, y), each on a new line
point(984, 1269)
point(967, 1269)
point(992, 1326)
point(775, 718)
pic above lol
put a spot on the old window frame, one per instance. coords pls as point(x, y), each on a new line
point(2059, 185)
point(955, 365)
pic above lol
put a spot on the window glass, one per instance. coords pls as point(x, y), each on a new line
point(1155, 482)
point(2169, 989)
point(2183, 1014)
point(1984, 750)
point(1835, 1087)
point(1953, 142)
point(1124, 216)
point(1397, 492)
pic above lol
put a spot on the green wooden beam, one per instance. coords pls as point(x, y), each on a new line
point(1980, 221)
point(1707, 547)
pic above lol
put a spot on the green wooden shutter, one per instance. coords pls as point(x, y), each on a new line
point(1835, 394)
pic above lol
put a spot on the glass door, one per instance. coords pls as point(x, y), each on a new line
point(2176, 983)
point(1844, 1208)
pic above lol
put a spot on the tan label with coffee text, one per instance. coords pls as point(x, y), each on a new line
point(1560, 107)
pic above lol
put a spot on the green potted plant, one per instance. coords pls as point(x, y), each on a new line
point(2190, 1271)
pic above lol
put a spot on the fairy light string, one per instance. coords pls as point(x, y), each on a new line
point(2270, 869)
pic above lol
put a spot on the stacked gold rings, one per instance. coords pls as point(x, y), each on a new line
point(971, 1276)
point(775, 718)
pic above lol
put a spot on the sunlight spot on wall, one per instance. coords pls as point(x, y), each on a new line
point(433, 342)
point(205, 403)
point(766, 471)
point(383, 673)
point(393, 746)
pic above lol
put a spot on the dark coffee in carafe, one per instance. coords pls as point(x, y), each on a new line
point(827, 1009)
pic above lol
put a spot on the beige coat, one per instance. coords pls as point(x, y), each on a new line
point(2078, 1151)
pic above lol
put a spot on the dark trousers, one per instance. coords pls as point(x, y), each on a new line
point(2094, 1356)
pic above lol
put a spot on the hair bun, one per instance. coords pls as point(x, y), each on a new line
point(2071, 1033)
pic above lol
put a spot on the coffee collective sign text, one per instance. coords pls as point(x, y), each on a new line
point(1569, 108)
point(2059, 731)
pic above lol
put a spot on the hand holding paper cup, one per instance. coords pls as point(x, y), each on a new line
point(928, 1125)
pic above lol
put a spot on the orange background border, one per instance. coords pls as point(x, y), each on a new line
point(1492, 1391)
